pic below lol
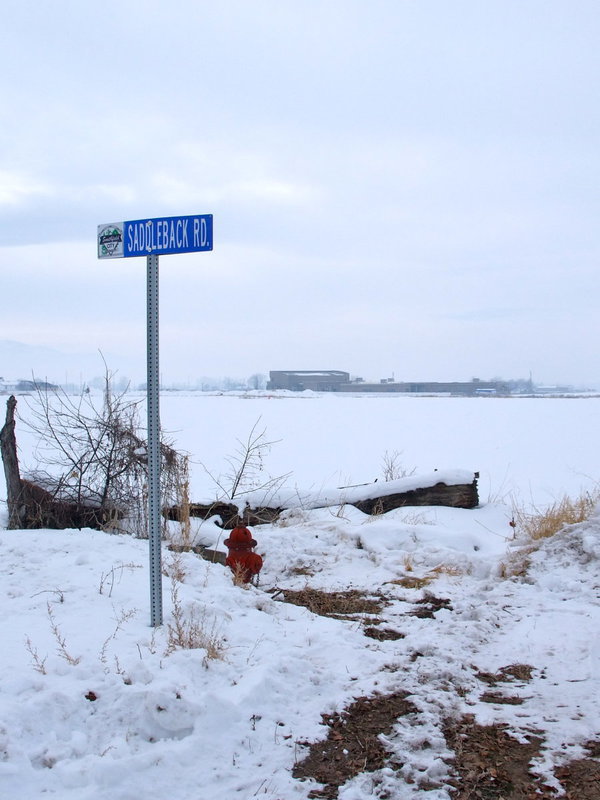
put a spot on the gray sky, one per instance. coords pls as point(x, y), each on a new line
point(398, 186)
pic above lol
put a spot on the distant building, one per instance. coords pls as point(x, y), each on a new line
point(25, 386)
point(471, 388)
point(337, 381)
point(299, 380)
point(35, 385)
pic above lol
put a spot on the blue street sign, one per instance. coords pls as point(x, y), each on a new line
point(161, 236)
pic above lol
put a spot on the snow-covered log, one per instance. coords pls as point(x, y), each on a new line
point(454, 488)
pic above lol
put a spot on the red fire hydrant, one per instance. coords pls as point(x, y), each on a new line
point(241, 559)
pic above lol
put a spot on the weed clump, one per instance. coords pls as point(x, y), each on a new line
point(543, 524)
point(193, 631)
point(533, 528)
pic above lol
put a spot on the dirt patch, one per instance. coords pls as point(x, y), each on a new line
point(352, 745)
point(580, 779)
point(490, 764)
point(340, 605)
point(519, 672)
point(383, 634)
point(413, 582)
point(429, 605)
point(593, 749)
point(353, 603)
point(503, 699)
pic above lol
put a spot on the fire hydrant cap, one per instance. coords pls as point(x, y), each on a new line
point(240, 538)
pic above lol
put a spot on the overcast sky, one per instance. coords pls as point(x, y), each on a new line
point(406, 187)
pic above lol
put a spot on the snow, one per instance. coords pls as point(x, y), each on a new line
point(95, 704)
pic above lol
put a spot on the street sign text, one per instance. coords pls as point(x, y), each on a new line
point(160, 236)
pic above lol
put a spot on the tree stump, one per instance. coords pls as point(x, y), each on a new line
point(8, 447)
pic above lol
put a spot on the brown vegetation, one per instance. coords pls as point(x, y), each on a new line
point(340, 605)
point(567, 511)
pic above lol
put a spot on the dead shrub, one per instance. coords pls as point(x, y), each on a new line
point(92, 463)
point(392, 468)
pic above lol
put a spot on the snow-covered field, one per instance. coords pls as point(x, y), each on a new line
point(94, 704)
point(525, 449)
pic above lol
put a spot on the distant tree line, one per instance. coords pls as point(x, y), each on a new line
point(207, 384)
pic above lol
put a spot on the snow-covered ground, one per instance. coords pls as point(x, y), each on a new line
point(96, 704)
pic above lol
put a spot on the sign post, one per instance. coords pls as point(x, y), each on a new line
point(153, 412)
point(152, 238)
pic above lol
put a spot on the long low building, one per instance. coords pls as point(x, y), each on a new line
point(338, 381)
point(474, 387)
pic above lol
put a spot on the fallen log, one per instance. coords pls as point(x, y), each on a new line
point(230, 513)
point(208, 554)
point(39, 508)
point(455, 489)
point(464, 495)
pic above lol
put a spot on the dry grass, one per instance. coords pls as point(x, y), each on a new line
point(181, 489)
point(419, 582)
point(238, 574)
point(61, 649)
point(540, 525)
point(412, 581)
point(114, 575)
point(517, 565)
point(302, 569)
point(174, 568)
point(378, 508)
point(193, 631)
point(446, 569)
point(39, 663)
point(543, 524)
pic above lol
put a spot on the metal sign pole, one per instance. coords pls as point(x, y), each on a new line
point(153, 393)
point(191, 233)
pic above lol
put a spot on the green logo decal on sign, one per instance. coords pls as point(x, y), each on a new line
point(110, 241)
